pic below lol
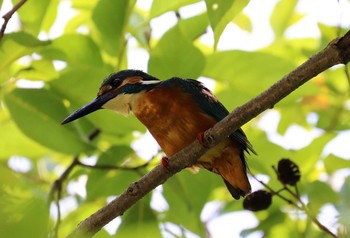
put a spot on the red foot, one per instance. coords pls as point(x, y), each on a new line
point(165, 162)
point(200, 137)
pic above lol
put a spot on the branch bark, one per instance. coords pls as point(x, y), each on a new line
point(337, 52)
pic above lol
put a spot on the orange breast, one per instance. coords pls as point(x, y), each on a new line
point(172, 117)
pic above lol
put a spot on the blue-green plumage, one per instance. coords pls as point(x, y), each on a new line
point(175, 111)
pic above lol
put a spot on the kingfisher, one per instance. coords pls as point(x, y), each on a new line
point(176, 112)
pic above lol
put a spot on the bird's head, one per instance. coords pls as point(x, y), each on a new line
point(117, 93)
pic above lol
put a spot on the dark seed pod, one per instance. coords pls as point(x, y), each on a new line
point(288, 172)
point(257, 201)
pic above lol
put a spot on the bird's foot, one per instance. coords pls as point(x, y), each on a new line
point(200, 139)
point(165, 162)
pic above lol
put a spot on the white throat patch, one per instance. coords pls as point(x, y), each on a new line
point(121, 103)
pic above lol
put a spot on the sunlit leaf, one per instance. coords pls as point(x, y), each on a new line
point(20, 201)
point(110, 18)
point(12, 47)
point(38, 113)
point(175, 55)
point(39, 70)
point(77, 50)
point(333, 163)
point(14, 142)
point(32, 14)
point(221, 12)
point(320, 193)
point(194, 27)
point(243, 75)
point(243, 21)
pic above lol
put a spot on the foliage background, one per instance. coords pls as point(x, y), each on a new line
point(45, 76)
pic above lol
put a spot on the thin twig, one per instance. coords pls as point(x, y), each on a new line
point(277, 193)
point(309, 213)
point(8, 16)
point(56, 188)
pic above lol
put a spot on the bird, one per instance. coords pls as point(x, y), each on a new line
point(176, 112)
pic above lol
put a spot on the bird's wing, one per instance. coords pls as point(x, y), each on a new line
point(211, 106)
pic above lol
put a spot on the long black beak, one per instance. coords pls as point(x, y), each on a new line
point(92, 106)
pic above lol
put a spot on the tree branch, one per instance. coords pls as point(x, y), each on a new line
point(337, 52)
point(8, 16)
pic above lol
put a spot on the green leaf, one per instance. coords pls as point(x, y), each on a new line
point(38, 114)
point(221, 12)
point(307, 157)
point(139, 221)
point(282, 15)
point(243, 22)
point(243, 75)
point(14, 142)
point(319, 194)
point(159, 6)
point(14, 46)
point(32, 14)
point(186, 197)
point(20, 201)
point(50, 15)
point(194, 27)
point(111, 18)
point(333, 163)
point(175, 55)
point(39, 70)
point(77, 50)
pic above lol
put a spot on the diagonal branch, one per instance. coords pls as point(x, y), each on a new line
point(8, 16)
point(337, 52)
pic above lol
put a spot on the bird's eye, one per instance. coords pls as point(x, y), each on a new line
point(104, 89)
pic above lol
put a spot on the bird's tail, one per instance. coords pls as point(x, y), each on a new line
point(233, 170)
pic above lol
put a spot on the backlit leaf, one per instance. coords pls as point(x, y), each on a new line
point(38, 113)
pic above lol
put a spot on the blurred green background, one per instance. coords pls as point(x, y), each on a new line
point(55, 54)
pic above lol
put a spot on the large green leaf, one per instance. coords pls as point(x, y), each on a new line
point(243, 75)
point(194, 27)
point(77, 50)
point(111, 18)
point(175, 55)
point(14, 46)
point(221, 12)
point(20, 201)
point(13, 142)
point(39, 70)
point(32, 14)
point(38, 113)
